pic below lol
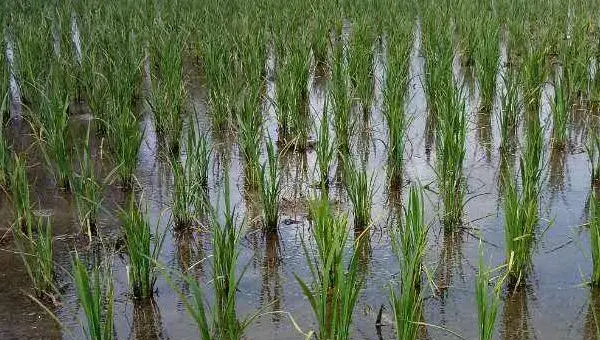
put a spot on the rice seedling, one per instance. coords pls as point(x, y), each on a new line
point(360, 64)
point(88, 190)
point(35, 248)
point(219, 78)
point(190, 179)
point(520, 220)
point(19, 190)
point(292, 91)
point(143, 249)
point(324, 149)
point(168, 91)
point(487, 299)
point(510, 108)
point(487, 57)
point(560, 113)
point(95, 293)
point(270, 188)
point(450, 143)
point(360, 189)
point(594, 231)
point(53, 125)
point(408, 244)
point(225, 239)
point(533, 74)
point(341, 99)
point(335, 286)
point(250, 139)
point(398, 48)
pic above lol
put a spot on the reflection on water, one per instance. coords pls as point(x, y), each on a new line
point(516, 317)
point(147, 324)
point(271, 290)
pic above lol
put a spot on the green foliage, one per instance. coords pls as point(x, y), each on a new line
point(95, 293)
point(335, 286)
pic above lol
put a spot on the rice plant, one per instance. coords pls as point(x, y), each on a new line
point(408, 244)
point(450, 143)
point(143, 249)
point(250, 134)
point(360, 64)
point(270, 188)
point(53, 125)
point(88, 190)
point(324, 149)
point(95, 294)
point(360, 189)
point(116, 111)
point(35, 248)
point(168, 91)
point(510, 108)
point(292, 91)
point(225, 239)
point(487, 299)
point(399, 44)
point(594, 230)
point(341, 99)
point(519, 227)
point(335, 285)
point(19, 190)
point(487, 57)
point(190, 178)
point(560, 113)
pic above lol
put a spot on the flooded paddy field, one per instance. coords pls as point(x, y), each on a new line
point(212, 126)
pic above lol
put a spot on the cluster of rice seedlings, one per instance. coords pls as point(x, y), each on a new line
point(360, 64)
point(450, 144)
point(53, 124)
point(19, 190)
point(35, 248)
point(519, 227)
point(292, 74)
point(190, 179)
point(398, 48)
point(341, 99)
point(336, 285)
point(560, 113)
point(143, 249)
point(487, 299)
point(437, 47)
point(123, 131)
point(510, 108)
point(487, 57)
point(270, 188)
point(217, 70)
point(408, 244)
point(324, 149)
point(533, 74)
point(88, 190)
point(250, 134)
point(32, 50)
point(224, 323)
point(168, 90)
point(360, 189)
point(95, 293)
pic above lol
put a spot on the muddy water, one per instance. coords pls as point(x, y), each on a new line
point(554, 304)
